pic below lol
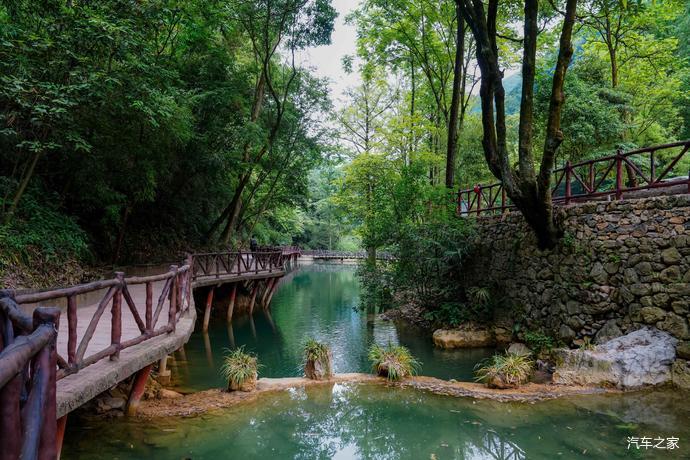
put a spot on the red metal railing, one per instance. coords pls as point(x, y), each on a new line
point(610, 177)
point(27, 381)
point(172, 287)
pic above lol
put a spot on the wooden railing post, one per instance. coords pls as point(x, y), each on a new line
point(172, 312)
point(45, 367)
point(116, 311)
point(149, 307)
point(619, 174)
point(568, 190)
point(478, 191)
point(72, 330)
point(190, 279)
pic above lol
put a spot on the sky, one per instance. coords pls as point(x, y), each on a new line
point(326, 60)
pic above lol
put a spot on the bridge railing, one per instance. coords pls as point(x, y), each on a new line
point(172, 288)
point(329, 254)
point(27, 381)
point(237, 263)
point(609, 177)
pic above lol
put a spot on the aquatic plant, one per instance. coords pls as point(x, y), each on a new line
point(504, 370)
point(240, 369)
point(317, 360)
point(394, 362)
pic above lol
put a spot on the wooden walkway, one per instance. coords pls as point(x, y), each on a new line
point(112, 329)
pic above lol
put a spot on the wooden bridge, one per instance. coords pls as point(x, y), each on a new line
point(327, 254)
point(49, 367)
point(634, 174)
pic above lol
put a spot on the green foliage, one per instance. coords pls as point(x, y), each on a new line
point(539, 342)
point(238, 366)
point(377, 285)
point(395, 362)
point(138, 122)
point(510, 368)
point(314, 350)
point(40, 232)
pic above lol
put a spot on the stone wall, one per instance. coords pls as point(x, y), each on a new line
point(620, 265)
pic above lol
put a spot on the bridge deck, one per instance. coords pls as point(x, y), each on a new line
point(211, 280)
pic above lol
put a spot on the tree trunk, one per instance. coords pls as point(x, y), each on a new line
point(371, 255)
point(28, 174)
point(458, 79)
point(531, 195)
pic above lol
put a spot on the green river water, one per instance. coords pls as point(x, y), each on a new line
point(369, 421)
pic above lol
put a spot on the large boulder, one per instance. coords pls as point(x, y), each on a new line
point(458, 338)
point(640, 358)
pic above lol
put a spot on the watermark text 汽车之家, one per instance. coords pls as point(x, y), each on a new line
point(649, 442)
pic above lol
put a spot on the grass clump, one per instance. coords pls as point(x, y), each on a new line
point(394, 362)
point(317, 360)
point(504, 371)
point(240, 369)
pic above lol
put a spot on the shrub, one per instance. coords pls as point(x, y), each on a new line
point(538, 342)
point(317, 360)
point(504, 371)
point(240, 369)
point(394, 362)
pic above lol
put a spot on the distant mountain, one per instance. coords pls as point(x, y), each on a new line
point(513, 88)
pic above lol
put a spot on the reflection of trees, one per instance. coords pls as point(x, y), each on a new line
point(500, 449)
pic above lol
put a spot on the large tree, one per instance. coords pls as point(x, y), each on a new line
point(528, 189)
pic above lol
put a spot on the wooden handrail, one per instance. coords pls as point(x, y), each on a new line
point(238, 263)
point(173, 291)
point(28, 363)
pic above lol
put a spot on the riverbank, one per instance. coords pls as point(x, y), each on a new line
point(204, 401)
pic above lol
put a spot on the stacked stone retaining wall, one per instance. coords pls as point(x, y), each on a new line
point(619, 266)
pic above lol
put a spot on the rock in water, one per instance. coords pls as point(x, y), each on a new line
point(456, 338)
point(640, 358)
point(320, 369)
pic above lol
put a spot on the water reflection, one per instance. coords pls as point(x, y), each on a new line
point(374, 422)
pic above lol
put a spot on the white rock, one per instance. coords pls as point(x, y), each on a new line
point(640, 358)
point(520, 349)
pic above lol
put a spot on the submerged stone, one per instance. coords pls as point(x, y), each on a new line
point(638, 359)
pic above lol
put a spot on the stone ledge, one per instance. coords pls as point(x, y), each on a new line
point(76, 389)
point(205, 401)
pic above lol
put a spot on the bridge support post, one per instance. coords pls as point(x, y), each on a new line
point(273, 291)
point(267, 291)
point(231, 305)
point(164, 374)
point(60, 433)
point(207, 312)
point(253, 301)
point(137, 391)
